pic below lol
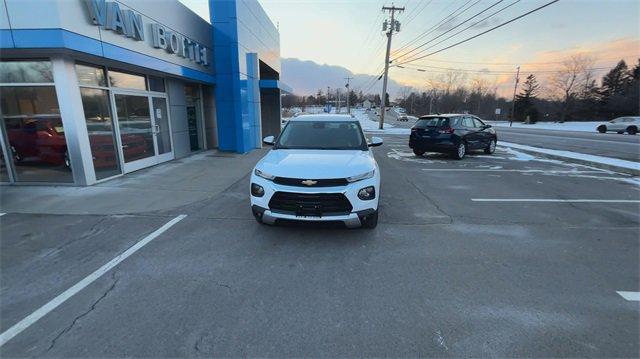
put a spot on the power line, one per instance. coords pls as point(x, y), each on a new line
point(463, 30)
point(416, 13)
point(518, 63)
point(455, 27)
point(484, 32)
point(482, 71)
point(433, 28)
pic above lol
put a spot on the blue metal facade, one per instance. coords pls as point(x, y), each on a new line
point(64, 39)
point(243, 36)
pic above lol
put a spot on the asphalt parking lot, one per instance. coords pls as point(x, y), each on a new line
point(503, 255)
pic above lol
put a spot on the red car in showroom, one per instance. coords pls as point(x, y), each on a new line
point(41, 139)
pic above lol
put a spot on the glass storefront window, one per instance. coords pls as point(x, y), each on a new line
point(26, 72)
point(156, 84)
point(33, 126)
point(90, 75)
point(127, 80)
point(97, 113)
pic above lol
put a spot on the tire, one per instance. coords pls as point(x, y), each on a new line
point(418, 152)
point(370, 221)
point(602, 129)
point(460, 151)
point(491, 147)
point(632, 130)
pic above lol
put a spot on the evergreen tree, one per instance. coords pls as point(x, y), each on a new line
point(616, 81)
point(618, 91)
point(524, 105)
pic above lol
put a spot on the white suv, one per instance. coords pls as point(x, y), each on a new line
point(320, 169)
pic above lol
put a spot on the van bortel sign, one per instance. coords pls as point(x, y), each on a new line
point(129, 23)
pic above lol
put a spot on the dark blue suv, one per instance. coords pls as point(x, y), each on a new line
point(452, 133)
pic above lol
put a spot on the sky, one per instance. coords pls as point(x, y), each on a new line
point(348, 33)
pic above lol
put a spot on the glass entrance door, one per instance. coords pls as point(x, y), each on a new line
point(162, 130)
point(143, 130)
point(136, 131)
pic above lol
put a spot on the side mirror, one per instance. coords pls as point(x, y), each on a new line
point(486, 126)
point(269, 140)
point(375, 142)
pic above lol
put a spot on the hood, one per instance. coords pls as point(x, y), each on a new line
point(316, 164)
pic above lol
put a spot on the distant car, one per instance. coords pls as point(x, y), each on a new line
point(628, 124)
point(400, 110)
point(452, 133)
point(403, 117)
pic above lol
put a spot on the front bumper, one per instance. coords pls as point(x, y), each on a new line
point(361, 208)
point(352, 220)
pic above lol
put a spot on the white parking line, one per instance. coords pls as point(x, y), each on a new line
point(633, 296)
point(506, 170)
point(2, 214)
point(55, 302)
point(555, 200)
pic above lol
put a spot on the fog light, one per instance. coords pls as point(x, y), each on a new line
point(367, 193)
point(257, 190)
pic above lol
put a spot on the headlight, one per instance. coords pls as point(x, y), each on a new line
point(361, 177)
point(257, 190)
point(264, 174)
point(367, 193)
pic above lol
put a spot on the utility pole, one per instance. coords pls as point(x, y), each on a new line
point(431, 100)
point(348, 94)
point(327, 102)
point(393, 25)
point(513, 101)
point(411, 108)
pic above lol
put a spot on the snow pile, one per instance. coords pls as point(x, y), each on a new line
point(566, 126)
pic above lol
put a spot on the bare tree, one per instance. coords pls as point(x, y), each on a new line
point(573, 80)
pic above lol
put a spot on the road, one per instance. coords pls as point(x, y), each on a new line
point(453, 269)
point(620, 146)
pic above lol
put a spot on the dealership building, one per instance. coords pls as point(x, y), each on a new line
point(93, 89)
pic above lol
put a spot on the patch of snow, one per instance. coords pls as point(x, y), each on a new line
point(570, 155)
point(589, 126)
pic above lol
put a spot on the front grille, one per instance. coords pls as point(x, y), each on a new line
point(297, 182)
point(310, 204)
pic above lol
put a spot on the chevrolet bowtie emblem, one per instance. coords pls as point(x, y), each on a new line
point(309, 182)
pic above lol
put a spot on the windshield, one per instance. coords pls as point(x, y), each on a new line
point(322, 135)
